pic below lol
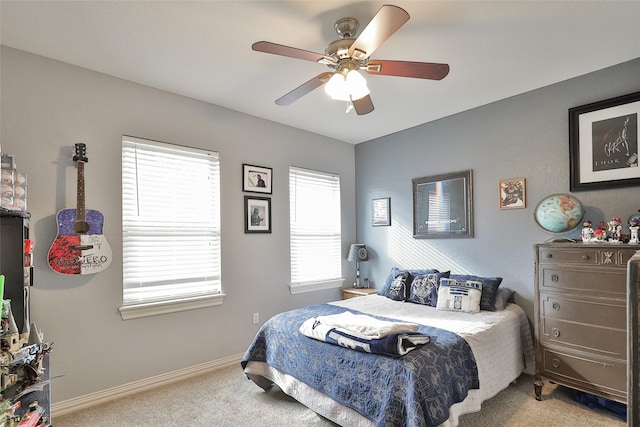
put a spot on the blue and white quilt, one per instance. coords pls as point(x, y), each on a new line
point(416, 389)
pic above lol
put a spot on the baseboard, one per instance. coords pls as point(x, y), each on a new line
point(104, 396)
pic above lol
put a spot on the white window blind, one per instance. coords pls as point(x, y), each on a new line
point(315, 229)
point(170, 222)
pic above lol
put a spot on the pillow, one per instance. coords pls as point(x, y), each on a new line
point(424, 288)
point(459, 295)
point(489, 289)
point(398, 289)
point(504, 297)
point(395, 270)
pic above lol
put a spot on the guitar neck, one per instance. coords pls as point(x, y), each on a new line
point(81, 213)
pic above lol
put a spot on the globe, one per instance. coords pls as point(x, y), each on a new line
point(559, 213)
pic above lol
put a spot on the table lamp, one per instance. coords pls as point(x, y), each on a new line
point(358, 253)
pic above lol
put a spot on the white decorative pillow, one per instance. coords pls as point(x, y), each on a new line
point(459, 295)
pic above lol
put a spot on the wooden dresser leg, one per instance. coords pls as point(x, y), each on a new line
point(537, 386)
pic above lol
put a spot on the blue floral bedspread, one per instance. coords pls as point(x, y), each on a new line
point(415, 390)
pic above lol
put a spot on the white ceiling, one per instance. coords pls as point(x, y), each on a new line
point(202, 49)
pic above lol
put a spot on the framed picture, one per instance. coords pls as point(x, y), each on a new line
point(603, 144)
point(381, 212)
point(512, 194)
point(257, 214)
point(256, 179)
point(442, 206)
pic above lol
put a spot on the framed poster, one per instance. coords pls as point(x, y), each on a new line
point(442, 206)
point(603, 144)
point(257, 214)
point(381, 212)
point(256, 179)
point(512, 194)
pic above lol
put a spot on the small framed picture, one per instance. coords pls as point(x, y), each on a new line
point(256, 179)
point(512, 194)
point(257, 214)
point(381, 212)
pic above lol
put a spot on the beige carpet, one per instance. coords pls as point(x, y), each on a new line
point(227, 398)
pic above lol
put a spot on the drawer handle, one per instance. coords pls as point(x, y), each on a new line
point(556, 306)
point(549, 255)
point(585, 257)
point(555, 277)
point(555, 332)
point(555, 363)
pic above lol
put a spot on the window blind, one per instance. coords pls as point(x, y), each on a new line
point(170, 222)
point(315, 228)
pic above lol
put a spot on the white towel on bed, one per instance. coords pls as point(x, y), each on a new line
point(362, 325)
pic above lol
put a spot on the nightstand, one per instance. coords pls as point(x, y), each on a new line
point(357, 292)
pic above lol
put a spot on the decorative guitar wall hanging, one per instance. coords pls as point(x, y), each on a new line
point(80, 247)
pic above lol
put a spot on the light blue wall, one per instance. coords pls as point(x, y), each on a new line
point(525, 136)
point(47, 107)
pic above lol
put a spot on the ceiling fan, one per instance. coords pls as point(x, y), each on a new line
point(347, 55)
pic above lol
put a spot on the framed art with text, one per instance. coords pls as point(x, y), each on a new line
point(257, 214)
point(381, 212)
point(256, 179)
point(603, 144)
point(442, 206)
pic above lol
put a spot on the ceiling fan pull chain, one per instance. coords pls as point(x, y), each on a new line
point(349, 105)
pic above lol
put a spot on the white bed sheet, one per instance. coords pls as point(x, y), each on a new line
point(494, 337)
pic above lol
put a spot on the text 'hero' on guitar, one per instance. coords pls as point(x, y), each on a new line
point(80, 246)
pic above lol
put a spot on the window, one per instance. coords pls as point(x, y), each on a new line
point(314, 215)
point(170, 228)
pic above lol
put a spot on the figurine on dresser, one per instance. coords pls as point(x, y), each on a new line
point(615, 230)
point(587, 231)
point(634, 225)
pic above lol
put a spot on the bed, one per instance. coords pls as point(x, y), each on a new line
point(470, 356)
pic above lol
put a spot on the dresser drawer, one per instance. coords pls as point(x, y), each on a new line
point(605, 254)
point(595, 374)
point(584, 337)
point(611, 314)
point(578, 279)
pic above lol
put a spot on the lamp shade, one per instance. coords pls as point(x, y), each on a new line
point(351, 87)
point(357, 85)
point(358, 252)
point(336, 88)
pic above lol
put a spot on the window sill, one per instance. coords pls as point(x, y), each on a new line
point(151, 309)
point(300, 288)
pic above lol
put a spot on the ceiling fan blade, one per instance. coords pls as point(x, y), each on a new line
point(304, 88)
point(419, 70)
point(363, 105)
point(386, 22)
point(291, 52)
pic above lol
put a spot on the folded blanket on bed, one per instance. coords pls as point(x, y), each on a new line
point(365, 326)
point(392, 344)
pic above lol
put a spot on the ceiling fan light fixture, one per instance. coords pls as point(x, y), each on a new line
point(336, 88)
point(357, 85)
point(351, 87)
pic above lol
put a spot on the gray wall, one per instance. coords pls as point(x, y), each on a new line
point(525, 136)
point(47, 107)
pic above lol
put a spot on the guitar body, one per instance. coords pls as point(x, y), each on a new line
point(79, 253)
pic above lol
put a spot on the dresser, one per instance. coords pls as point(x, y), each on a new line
point(581, 317)
point(633, 347)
